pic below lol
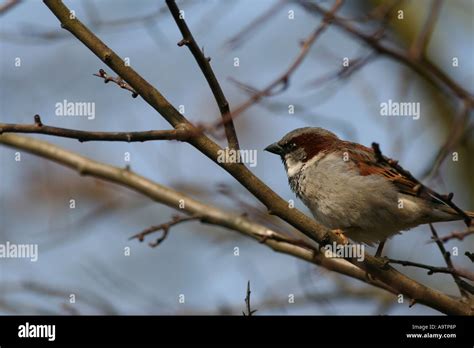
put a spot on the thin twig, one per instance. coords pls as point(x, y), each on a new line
point(235, 41)
point(433, 269)
point(455, 235)
point(82, 136)
point(205, 66)
point(469, 255)
point(165, 227)
point(250, 311)
point(447, 259)
point(344, 72)
point(117, 80)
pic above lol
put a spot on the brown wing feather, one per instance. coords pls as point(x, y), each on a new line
point(364, 159)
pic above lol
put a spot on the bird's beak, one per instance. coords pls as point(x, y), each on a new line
point(274, 148)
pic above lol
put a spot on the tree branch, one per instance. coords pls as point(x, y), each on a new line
point(82, 136)
point(205, 66)
point(434, 269)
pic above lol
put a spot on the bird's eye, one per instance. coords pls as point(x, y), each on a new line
point(289, 146)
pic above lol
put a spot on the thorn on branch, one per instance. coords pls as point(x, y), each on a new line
point(38, 122)
point(469, 255)
point(385, 263)
point(271, 212)
point(183, 42)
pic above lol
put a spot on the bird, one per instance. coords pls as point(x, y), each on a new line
point(347, 187)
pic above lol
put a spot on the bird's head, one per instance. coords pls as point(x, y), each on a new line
point(302, 145)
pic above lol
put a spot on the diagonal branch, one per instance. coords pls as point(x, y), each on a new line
point(204, 64)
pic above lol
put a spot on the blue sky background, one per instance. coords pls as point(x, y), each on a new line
point(81, 250)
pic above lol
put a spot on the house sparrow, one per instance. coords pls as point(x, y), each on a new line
point(346, 187)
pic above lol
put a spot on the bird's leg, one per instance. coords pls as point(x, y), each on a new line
point(340, 233)
point(378, 253)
